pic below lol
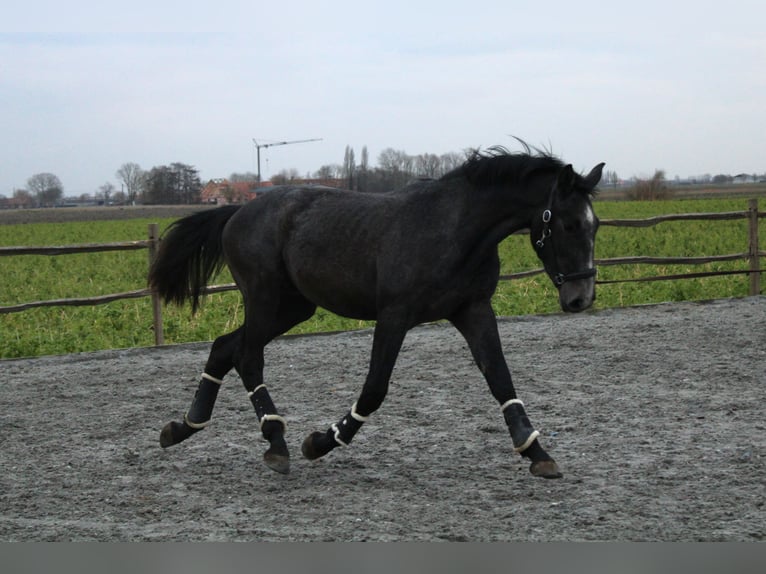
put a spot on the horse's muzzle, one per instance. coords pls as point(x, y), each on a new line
point(576, 296)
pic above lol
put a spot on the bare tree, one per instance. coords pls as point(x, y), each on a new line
point(329, 171)
point(649, 189)
point(451, 160)
point(395, 161)
point(610, 178)
point(247, 176)
point(23, 198)
point(285, 176)
point(395, 169)
point(428, 165)
point(46, 188)
point(132, 176)
point(105, 192)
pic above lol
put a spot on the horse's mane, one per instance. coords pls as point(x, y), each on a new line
point(498, 165)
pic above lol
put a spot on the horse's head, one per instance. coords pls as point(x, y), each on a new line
point(563, 234)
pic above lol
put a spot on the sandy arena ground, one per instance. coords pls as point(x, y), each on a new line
point(655, 414)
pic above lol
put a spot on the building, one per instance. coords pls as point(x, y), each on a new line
point(224, 192)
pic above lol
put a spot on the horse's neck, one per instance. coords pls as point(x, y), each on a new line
point(502, 211)
point(478, 219)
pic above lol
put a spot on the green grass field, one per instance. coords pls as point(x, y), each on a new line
point(128, 323)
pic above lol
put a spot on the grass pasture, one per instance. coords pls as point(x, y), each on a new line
point(128, 323)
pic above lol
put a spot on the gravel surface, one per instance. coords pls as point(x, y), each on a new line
point(655, 415)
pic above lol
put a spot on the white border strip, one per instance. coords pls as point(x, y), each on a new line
point(211, 378)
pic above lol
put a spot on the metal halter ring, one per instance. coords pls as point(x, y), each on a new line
point(540, 243)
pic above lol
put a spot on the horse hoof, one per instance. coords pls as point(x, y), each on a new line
point(545, 469)
point(277, 462)
point(174, 432)
point(166, 435)
point(308, 447)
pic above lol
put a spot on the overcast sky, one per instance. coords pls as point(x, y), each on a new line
point(86, 86)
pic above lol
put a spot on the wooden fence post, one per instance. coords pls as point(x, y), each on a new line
point(755, 261)
point(154, 244)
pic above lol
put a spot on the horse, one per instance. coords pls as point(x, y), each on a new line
point(425, 252)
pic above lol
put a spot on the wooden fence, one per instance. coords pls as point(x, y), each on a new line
point(752, 256)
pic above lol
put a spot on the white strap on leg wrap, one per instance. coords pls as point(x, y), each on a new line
point(507, 404)
point(255, 390)
point(336, 430)
point(211, 378)
point(356, 416)
point(196, 426)
point(278, 418)
point(531, 438)
point(528, 442)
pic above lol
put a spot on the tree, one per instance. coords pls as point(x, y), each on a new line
point(23, 198)
point(451, 160)
point(395, 169)
point(285, 176)
point(364, 168)
point(610, 178)
point(132, 177)
point(172, 184)
point(349, 167)
point(649, 189)
point(46, 188)
point(105, 192)
point(329, 171)
point(247, 176)
point(428, 165)
point(722, 178)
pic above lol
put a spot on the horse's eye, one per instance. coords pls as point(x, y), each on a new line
point(572, 226)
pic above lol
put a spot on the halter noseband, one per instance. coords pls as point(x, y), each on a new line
point(559, 278)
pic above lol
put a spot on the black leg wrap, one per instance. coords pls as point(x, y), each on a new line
point(277, 457)
point(202, 406)
point(345, 430)
point(525, 441)
point(262, 402)
point(523, 434)
point(264, 407)
point(198, 415)
point(319, 444)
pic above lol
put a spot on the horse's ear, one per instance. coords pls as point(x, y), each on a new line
point(594, 176)
point(566, 179)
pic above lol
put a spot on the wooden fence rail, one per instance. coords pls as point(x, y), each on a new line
point(752, 256)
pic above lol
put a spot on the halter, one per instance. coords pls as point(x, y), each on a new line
point(559, 278)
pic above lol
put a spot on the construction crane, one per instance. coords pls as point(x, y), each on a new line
point(259, 146)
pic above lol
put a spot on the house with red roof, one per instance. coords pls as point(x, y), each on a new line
point(224, 192)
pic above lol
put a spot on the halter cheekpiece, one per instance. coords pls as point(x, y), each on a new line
point(546, 229)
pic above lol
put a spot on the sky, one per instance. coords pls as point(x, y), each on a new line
point(86, 87)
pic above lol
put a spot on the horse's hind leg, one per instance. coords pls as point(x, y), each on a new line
point(266, 319)
point(220, 362)
point(272, 425)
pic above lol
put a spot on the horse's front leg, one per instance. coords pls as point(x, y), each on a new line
point(387, 341)
point(478, 325)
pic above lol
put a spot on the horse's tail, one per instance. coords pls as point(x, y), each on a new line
point(190, 253)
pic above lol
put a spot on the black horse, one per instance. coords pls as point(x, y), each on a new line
point(422, 253)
